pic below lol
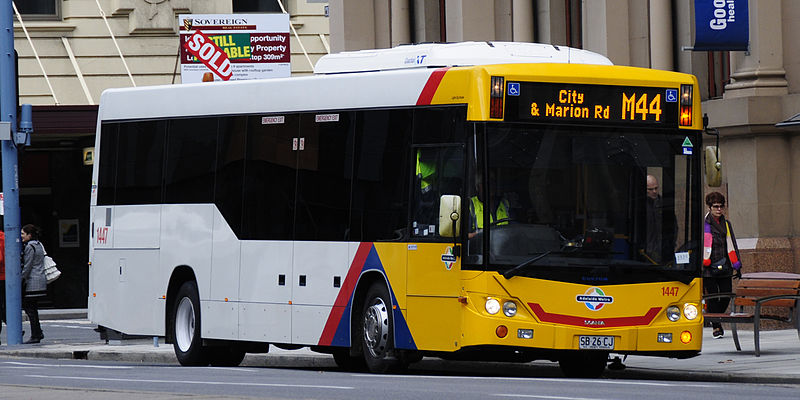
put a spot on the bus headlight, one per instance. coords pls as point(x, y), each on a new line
point(492, 306)
point(509, 309)
point(673, 313)
point(690, 311)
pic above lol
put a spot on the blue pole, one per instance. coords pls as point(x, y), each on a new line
point(11, 221)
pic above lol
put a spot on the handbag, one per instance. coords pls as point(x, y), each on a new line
point(51, 272)
point(721, 268)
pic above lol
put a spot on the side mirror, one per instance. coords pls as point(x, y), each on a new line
point(449, 214)
point(713, 167)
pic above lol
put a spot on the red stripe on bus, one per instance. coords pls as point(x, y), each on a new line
point(430, 87)
point(345, 292)
point(614, 322)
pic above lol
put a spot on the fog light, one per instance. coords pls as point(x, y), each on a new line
point(664, 338)
point(686, 337)
point(690, 311)
point(509, 309)
point(501, 331)
point(492, 306)
point(525, 333)
point(673, 313)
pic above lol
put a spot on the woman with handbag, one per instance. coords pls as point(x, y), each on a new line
point(34, 281)
point(720, 257)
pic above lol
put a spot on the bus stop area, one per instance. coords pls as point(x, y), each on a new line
point(719, 361)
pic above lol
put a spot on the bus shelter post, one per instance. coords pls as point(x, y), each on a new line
point(8, 112)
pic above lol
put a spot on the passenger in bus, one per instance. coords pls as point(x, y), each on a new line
point(720, 256)
point(426, 197)
point(660, 245)
point(500, 213)
point(34, 281)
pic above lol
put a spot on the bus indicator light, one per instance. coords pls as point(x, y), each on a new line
point(686, 337)
point(501, 331)
point(496, 97)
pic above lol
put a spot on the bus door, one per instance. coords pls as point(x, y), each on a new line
point(434, 263)
point(321, 252)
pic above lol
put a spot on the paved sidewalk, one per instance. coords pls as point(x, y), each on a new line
point(719, 360)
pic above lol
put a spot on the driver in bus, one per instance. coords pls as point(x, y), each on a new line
point(500, 214)
point(660, 243)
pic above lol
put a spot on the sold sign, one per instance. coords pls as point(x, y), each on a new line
point(200, 46)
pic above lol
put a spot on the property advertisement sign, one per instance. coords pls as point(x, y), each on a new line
point(217, 47)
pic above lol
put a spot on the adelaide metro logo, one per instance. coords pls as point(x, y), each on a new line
point(594, 298)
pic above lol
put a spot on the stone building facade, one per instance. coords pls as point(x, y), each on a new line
point(745, 94)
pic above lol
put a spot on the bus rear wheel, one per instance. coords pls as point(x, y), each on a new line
point(376, 331)
point(583, 364)
point(188, 344)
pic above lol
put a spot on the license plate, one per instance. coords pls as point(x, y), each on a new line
point(596, 342)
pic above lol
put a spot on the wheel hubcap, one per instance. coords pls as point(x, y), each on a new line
point(376, 328)
point(184, 324)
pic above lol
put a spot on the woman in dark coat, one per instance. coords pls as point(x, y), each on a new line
point(34, 281)
point(720, 256)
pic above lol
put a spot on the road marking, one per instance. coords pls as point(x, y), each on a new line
point(69, 326)
point(172, 382)
point(536, 396)
point(561, 380)
point(67, 365)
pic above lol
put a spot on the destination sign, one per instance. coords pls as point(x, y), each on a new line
point(591, 104)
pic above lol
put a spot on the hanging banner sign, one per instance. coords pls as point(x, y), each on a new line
point(255, 45)
point(721, 25)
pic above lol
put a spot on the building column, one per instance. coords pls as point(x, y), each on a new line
point(661, 35)
point(760, 71)
point(470, 20)
point(605, 29)
point(522, 21)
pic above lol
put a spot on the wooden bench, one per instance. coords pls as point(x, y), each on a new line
point(758, 290)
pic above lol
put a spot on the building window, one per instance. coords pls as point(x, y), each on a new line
point(39, 9)
point(719, 73)
point(256, 6)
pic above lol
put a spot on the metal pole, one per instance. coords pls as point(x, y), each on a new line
point(8, 113)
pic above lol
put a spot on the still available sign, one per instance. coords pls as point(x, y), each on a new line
point(234, 46)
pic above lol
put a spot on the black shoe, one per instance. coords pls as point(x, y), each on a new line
point(34, 340)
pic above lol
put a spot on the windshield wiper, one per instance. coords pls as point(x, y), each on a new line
point(513, 271)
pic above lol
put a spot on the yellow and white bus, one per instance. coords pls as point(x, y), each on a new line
point(492, 201)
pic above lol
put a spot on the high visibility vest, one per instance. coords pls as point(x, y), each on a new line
point(477, 213)
point(425, 172)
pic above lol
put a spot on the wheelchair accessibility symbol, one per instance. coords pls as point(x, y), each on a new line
point(513, 88)
point(672, 95)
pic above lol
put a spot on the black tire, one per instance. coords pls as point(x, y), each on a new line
point(226, 356)
point(346, 362)
point(187, 343)
point(375, 331)
point(583, 364)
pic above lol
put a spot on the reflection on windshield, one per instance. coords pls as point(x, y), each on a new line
point(598, 196)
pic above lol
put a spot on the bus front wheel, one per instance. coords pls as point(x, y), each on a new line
point(376, 330)
point(583, 364)
point(186, 326)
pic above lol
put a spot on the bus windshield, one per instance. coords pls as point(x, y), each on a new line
point(566, 196)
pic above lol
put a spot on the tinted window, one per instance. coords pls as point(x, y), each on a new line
point(191, 161)
point(381, 176)
point(230, 170)
point(269, 178)
point(140, 157)
point(324, 171)
point(107, 174)
point(439, 124)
